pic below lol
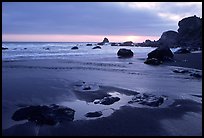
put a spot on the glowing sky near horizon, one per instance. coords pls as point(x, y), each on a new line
point(92, 21)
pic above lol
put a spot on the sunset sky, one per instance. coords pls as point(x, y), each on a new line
point(92, 21)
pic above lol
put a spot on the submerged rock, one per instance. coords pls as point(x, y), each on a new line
point(96, 47)
point(107, 100)
point(125, 53)
point(94, 114)
point(75, 47)
point(147, 99)
point(88, 44)
point(44, 115)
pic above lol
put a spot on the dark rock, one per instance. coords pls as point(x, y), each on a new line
point(190, 32)
point(105, 40)
point(169, 38)
point(101, 43)
point(182, 51)
point(75, 47)
point(87, 88)
point(147, 99)
point(180, 71)
point(46, 48)
point(128, 43)
point(108, 100)
point(96, 47)
point(25, 48)
point(125, 53)
point(94, 114)
point(4, 48)
point(114, 44)
point(44, 115)
point(153, 61)
point(196, 75)
point(88, 44)
point(162, 53)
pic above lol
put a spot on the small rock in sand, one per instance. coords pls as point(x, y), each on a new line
point(94, 114)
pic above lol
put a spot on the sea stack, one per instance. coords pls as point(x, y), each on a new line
point(105, 40)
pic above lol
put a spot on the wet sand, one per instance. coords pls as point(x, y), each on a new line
point(189, 60)
point(37, 82)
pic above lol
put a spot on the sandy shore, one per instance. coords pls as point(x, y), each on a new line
point(190, 60)
point(38, 82)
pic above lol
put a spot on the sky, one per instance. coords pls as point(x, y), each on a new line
point(92, 21)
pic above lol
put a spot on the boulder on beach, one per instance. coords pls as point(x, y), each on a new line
point(75, 47)
point(94, 114)
point(125, 53)
point(107, 100)
point(44, 115)
point(162, 53)
point(96, 47)
point(169, 38)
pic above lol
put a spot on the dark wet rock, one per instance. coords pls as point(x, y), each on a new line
point(107, 100)
point(75, 47)
point(88, 44)
point(162, 53)
point(196, 75)
point(125, 53)
point(44, 115)
point(4, 48)
point(127, 43)
point(105, 40)
point(169, 38)
point(94, 114)
point(182, 51)
point(87, 88)
point(180, 71)
point(147, 99)
point(46, 48)
point(114, 44)
point(153, 61)
point(96, 47)
point(190, 32)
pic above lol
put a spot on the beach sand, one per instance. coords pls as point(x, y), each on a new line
point(189, 60)
point(43, 82)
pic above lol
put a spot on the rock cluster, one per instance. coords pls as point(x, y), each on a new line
point(44, 115)
point(147, 99)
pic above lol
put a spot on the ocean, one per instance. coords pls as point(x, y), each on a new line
point(62, 50)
